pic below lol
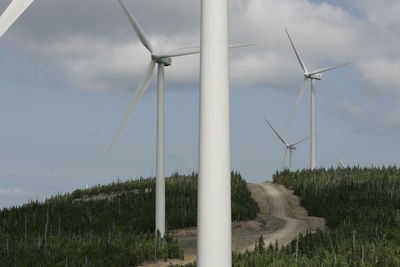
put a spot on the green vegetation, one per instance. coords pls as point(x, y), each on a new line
point(110, 225)
point(362, 211)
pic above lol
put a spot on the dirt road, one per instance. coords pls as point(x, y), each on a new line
point(280, 209)
point(281, 218)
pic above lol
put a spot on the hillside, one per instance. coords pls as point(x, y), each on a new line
point(110, 225)
point(280, 218)
point(362, 211)
point(113, 224)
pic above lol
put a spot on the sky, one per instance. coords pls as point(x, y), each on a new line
point(70, 68)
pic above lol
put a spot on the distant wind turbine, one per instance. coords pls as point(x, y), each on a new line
point(289, 147)
point(312, 75)
point(11, 14)
point(161, 59)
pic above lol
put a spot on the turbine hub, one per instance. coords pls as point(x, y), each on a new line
point(163, 60)
point(316, 76)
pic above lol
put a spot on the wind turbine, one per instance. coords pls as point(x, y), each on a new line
point(11, 14)
point(312, 75)
point(161, 59)
point(289, 147)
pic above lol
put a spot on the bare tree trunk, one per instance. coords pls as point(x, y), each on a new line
point(26, 219)
point(46, 225)
point(362, 255)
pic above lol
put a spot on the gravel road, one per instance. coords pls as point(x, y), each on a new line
point(281, 218)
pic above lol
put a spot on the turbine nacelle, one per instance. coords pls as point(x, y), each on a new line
point(316, 76)
point(162, 60)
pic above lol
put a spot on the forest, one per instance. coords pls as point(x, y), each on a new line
point(362, 211)
point(113, 225)
point(107, 225)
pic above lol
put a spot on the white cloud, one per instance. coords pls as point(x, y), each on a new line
point(382, 13)
point(113, 58)
point(14, 192)
point(98, 50)
point(375, 117)
point(380, 75)
point(352, 109)
point(325, 34)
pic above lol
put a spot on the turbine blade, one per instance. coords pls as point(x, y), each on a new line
point(303, 66)
point(285, 158)
point(300, 140)
point(139, 93)
point(138, 29)
point(179, 52)
point(304, 139)
point(303, 88)
point(338, 158)
point(191, 50)
point(11, 14)
point(277, 134)
point(241, 45)
point(326, 69)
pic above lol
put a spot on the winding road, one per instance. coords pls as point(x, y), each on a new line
point(280, 209)
point(280, 218)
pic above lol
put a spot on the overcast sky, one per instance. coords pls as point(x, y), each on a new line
point(70, 68)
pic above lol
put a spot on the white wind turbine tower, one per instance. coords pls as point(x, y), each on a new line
point(214, 230)
point(289, 147)
point(312, 75)
point(11, 14)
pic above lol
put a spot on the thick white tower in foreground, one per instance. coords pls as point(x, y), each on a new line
point(214, 188)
